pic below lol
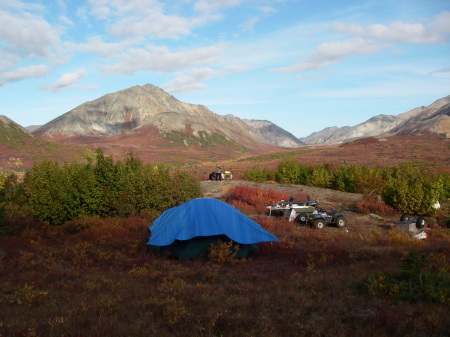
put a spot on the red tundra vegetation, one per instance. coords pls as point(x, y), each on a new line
point(95, 277)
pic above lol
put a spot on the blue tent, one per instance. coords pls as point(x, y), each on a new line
point(186, 231)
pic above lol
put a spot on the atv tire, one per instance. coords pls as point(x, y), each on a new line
point(302, 218)
point(319, 224)
point(341, 222)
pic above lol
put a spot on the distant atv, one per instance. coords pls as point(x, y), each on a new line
point(322, 218)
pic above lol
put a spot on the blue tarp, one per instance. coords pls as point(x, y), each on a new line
point(204, 217)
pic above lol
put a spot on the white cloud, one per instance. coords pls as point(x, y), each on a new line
point(67, 81)
point(96, 45)
point(192, 80)
point(402, 32)
point(160, 59)
point(249, 25)
point(141, 18)
point(27, 35)
point(99, 8)
point(210, 6)
point(396, 32)
point(20, 5)
point(331, 53)
point(155, 25)
point(195, 79)
point(23, 73)
point(441, 23)
point(373, 38)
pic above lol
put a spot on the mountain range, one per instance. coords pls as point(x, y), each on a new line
point(434, 118)
point(148, 115)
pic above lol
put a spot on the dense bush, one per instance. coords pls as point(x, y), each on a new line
point(59, 193)
point(410, 190)
point(259, 175)
point(290, 171)
point(404, 188)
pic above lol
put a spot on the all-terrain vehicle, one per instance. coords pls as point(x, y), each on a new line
point(291, 209)
point(322, 218)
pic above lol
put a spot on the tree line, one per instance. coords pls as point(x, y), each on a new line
point(55, 193)
point(404, 187)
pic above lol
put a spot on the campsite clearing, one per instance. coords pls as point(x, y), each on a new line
point(327, 198)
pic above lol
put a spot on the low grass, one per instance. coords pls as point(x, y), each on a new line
point(95, 278)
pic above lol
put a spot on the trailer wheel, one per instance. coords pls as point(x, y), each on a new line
point(319, 224)
point(420, 223)
point(341, 222)
point(301, 218)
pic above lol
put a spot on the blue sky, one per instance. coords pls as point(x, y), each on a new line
point(301, 64)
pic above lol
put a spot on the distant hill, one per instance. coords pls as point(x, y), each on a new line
point(434, 118)
point(32, 128)
point(273, 134)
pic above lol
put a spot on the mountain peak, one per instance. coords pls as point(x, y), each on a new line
point(119, 112)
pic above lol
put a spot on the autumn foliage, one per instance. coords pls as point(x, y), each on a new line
point(93, 276)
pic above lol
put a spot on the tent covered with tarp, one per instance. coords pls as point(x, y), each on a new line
point(187, 231)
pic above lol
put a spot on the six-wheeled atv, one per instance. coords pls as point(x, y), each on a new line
point(308, 212)
point(297, 210)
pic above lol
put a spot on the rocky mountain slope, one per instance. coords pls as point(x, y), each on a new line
point(434, 118)
point(273, 133)
point(148, 107)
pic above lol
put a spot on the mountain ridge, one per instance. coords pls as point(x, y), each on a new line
point(128, 110)
point(433, 118)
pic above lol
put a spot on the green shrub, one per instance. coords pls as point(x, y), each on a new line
point(412, 190)
point(289, 171)
point(319, 176)
point(60, 193)
point(259, 175)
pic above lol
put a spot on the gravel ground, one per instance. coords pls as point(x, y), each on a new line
point(328, 199)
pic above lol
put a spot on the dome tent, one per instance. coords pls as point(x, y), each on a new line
point(186, 231)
